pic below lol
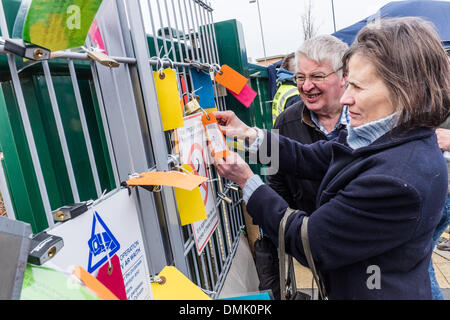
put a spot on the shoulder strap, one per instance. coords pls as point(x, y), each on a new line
point(282, 252)
point(309, 258)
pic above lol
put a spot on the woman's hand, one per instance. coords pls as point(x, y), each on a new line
point(443, 137)
point(233, 168)
point(233, 127)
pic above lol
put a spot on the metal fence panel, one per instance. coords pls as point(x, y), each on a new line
point(128, 127)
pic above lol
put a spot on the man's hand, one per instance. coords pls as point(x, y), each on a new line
point(234, 168)
point(233, 127)
point(443, 137)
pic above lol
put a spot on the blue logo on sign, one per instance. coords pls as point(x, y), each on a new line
point(101, 244)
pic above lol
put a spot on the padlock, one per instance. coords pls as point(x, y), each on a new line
point(223, 197)
point(69, 211)
point(44, 246)
point(192, 107)
point(221, 90)
point(103, 59)
point(26, 50)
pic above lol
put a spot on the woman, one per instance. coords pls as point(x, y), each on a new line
point(383, 184)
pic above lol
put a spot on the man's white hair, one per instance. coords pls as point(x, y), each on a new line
point(324, 48)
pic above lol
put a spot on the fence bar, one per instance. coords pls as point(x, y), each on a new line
point(162, 26)
point(194, 260)
point(122, 118)
point(101, 106)
point(191, 33)
point(85, 128)
point(208, 258)
point(60, 128)
point(4, 191)
point(205, 276)
point(156, 130)
point(26, 123)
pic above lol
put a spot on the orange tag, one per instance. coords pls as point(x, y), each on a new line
point(92, 283)
point(231, 79)
point(168, 178)
point(217, 143)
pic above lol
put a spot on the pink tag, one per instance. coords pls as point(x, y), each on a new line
point(96, 37)
point(246, 96)
point(112, 278)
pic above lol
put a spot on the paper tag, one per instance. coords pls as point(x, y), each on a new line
point(93, 284)
point(112, 278)
point(217, 143)
point(168, 98)
point(203, 87)
point(57, 25)
point(190, 206)
point(171, 179)
point(190, 203)
point(96, 37)
point(177, 287)
point(231, 79)
point(246, 96)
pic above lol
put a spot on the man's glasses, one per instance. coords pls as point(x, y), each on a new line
point(300, 79)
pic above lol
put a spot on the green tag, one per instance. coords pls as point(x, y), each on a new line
point(41, 283)
point(57, 25)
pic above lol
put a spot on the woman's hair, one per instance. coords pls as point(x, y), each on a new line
point(324, 48)
point(289, 63)
point(409, 57)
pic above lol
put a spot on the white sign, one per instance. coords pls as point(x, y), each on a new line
point(194, 151)
point(108, 231)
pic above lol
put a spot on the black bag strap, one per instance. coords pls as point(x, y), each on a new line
point(282, 253)
point(309, 259)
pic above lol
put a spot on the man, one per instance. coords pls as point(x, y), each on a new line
point(319, 116)
point(287, 93)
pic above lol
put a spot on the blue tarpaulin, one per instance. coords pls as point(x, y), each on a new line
point(437, 12)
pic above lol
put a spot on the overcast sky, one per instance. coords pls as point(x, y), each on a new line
point(281, 20)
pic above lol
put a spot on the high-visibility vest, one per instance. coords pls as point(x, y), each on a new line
point(284, 92)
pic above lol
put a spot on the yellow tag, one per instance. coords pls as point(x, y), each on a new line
point(169, 99)
point(177, 287)
point(190, 203)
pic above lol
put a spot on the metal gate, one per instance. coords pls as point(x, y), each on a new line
point(121, 130)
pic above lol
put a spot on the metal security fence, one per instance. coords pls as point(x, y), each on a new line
point(74, 129)
point(182, 32)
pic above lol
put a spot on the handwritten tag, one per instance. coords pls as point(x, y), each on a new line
point(168, 98)
point(217, 143)
point(246, 96)
point(231, 79)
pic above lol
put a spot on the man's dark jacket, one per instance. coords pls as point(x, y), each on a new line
point(295, 123)
point(377, 208)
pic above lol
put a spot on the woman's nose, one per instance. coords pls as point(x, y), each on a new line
point(347, 99)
